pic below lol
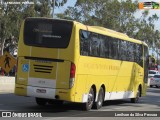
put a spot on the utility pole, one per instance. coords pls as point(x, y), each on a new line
point(53, 3)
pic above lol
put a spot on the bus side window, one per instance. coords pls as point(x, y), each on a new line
point(110, 43)
point(123, 50)
point(111, 48)
point(139, 56)
point(134, 51)
point(102, 46)
point(130, 52)
point(106, 47)
point(115, 48)
point(84, 43)
point(94, 45)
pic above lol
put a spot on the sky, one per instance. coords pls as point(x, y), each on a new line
point(69, 3)
point(138, 13)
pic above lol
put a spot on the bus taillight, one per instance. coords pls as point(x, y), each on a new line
point(72, 75)
point(73, 70)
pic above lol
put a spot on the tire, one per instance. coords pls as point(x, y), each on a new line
point(151, 86)
point(88, 105)
point(136, 99)
point(157, 86)
point(41, 101)
point(100, 100)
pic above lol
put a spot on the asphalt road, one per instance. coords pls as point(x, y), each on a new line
point(10, 102)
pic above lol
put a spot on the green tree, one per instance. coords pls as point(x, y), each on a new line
point(146, 29)
point(12, 15)
point(118, 15)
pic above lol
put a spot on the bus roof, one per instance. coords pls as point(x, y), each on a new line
point(106, 31)
point(111, 31)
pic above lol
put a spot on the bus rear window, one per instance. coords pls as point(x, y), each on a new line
point(152, 72)
point(47, 32)
point(156, 76)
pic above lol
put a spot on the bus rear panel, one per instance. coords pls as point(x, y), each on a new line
point(45, 59)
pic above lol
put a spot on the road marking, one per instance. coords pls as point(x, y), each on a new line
point(109, 109)
point(75, 115)
point(70, 118)
point(113, 109)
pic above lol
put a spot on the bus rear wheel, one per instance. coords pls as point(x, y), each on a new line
point(136, 99)
point(88, 105)
point(100, 99)
point(41, 101)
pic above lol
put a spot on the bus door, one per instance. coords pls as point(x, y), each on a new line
point(139, 66)
point(145, 66)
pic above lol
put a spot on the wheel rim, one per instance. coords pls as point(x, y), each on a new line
point(100, 98)
point(90, 99)
point(99, 103)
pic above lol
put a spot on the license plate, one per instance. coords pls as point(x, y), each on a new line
point(41, 90)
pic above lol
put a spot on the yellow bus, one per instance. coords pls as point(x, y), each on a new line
point(62, 60)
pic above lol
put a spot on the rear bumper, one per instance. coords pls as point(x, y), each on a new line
point(48, 93)
point(152, 83)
